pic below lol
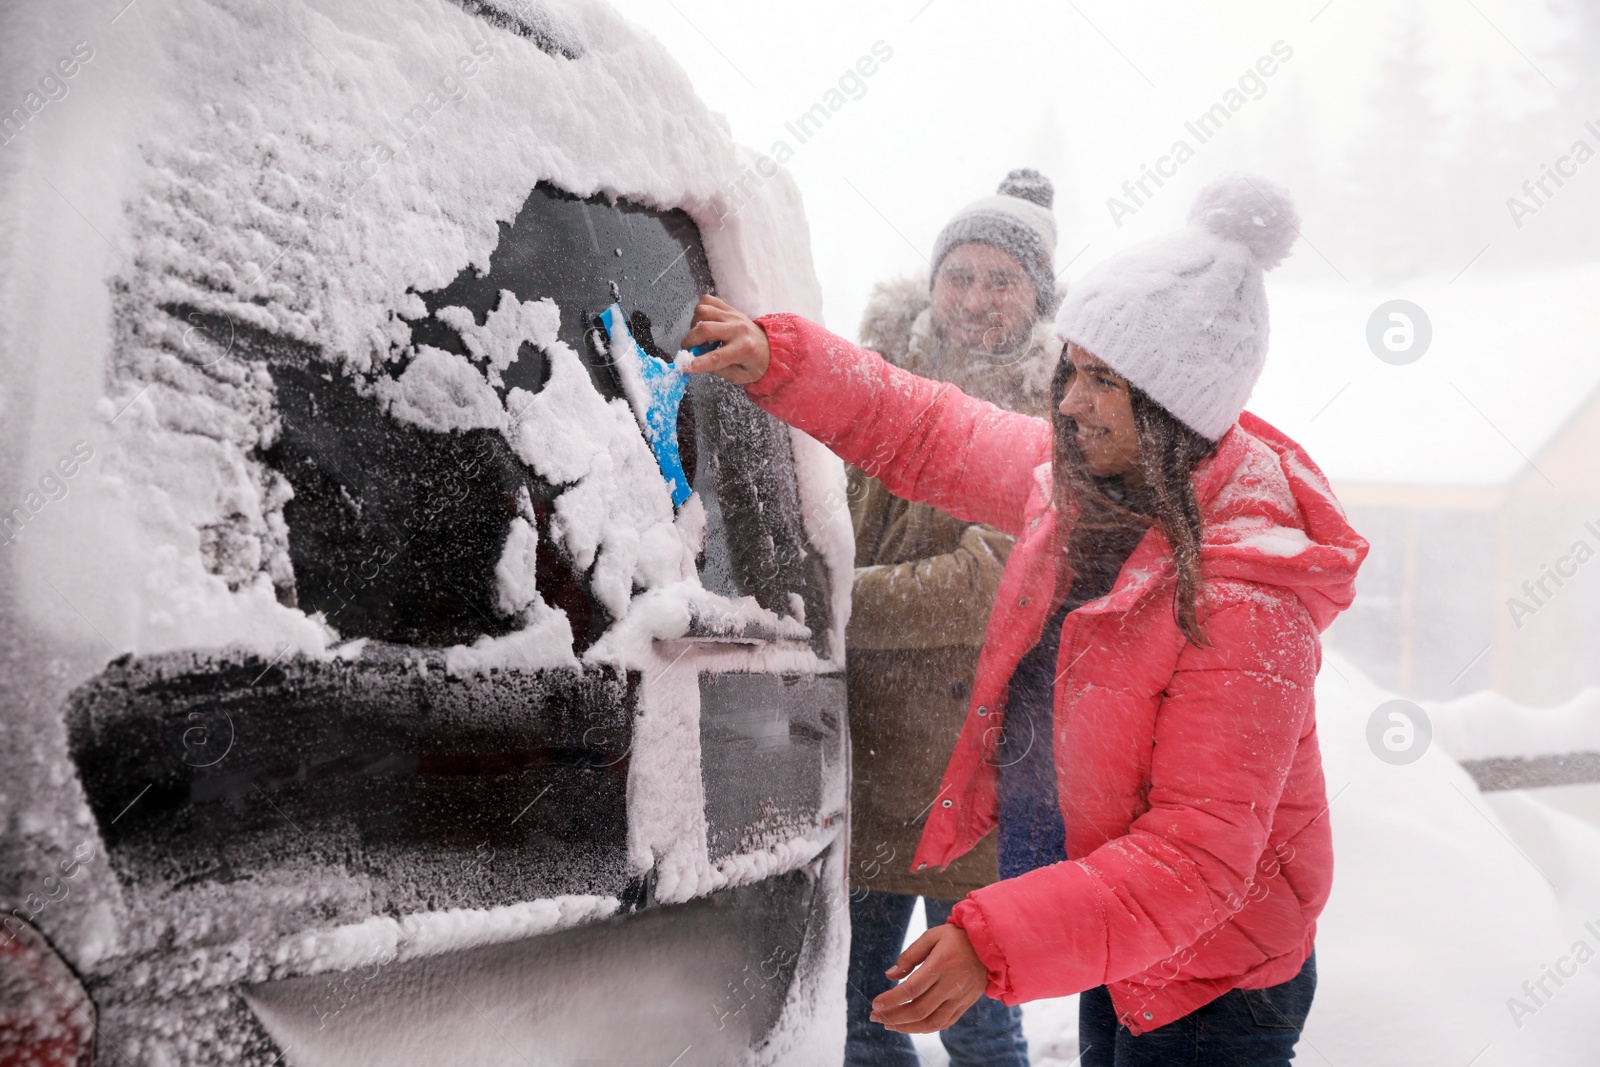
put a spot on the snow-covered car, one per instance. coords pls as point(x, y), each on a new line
point(389, 676)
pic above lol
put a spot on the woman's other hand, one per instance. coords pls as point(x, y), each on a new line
point(943, 977)
point(744, 355)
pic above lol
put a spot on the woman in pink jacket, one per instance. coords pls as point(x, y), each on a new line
point(1142, 727)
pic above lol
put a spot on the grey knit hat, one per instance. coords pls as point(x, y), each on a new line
point(1018, 221)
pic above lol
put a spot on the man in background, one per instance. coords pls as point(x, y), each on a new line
point(923, 586)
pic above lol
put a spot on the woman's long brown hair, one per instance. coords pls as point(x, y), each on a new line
point(1169, 451)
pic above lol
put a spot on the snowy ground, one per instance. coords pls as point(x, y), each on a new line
point(1445, 902)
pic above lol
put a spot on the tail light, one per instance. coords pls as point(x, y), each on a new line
point(46, 1019)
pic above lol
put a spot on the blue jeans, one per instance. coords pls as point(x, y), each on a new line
point(1241, 1028)
point(988, 1035)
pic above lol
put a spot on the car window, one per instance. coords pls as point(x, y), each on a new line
point(395, 531)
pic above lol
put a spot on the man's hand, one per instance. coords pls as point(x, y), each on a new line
point(945, 979)
point(744, 355)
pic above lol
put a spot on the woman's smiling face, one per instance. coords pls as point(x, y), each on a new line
point(1097, 401)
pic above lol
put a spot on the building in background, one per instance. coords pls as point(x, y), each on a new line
point(1494, 585)
point(1474, 471)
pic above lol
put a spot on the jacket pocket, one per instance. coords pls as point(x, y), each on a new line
point(1285, 1006)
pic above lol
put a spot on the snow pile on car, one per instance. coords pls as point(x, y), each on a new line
point(309, 181)
point(304, 170)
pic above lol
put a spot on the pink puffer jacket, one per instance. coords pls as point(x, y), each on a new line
point(1198, 850)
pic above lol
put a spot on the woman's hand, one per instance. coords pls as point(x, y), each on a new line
point(744, 355)
point(946, 977)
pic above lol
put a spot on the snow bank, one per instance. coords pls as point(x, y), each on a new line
point(1438, 916)
point(1484, 725)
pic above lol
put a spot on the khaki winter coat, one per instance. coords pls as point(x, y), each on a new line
point(924, 584)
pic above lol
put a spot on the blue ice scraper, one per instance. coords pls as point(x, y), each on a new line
point(655, 390)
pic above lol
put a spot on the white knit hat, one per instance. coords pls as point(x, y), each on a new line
point(1184, 317)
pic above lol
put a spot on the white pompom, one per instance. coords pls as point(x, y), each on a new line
point(1251, 210)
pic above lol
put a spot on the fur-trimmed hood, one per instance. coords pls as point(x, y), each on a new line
point(897, 323)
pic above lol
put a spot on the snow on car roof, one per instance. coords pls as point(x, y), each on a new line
point(1511, 360)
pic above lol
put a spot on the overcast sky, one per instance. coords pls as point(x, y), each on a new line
point(1088, 91)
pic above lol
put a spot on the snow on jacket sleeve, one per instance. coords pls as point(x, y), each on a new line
point(1226, 732)
point(925, 440)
